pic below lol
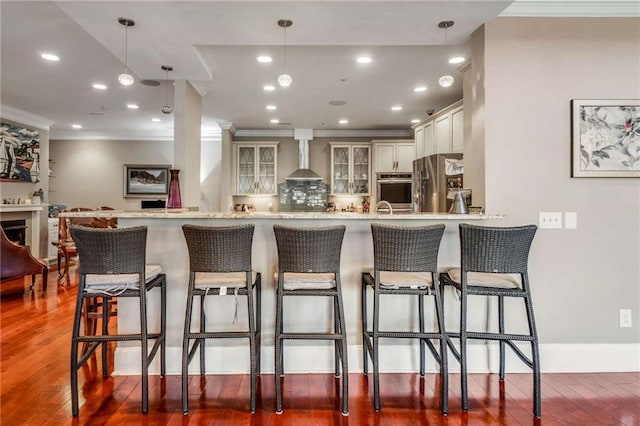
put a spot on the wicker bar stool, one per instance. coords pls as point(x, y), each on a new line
point(113, 265)
point(309, 265)
point(494, 263)
point(405, 263)
point(219, 264)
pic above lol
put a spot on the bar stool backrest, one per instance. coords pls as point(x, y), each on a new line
point(310, 249)
point(406, 248)
point(219, 249)
point(502, 250)
point(111, 251)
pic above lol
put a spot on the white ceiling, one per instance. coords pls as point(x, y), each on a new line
point(213, 44)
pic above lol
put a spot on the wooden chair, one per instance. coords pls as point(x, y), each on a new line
point(92, 310)
point(17, 261)
point(66, 247)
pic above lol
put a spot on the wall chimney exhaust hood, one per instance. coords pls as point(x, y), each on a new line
point(303, 136)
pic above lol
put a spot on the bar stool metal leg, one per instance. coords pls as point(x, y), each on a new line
point(365, 327)
point(279, 374)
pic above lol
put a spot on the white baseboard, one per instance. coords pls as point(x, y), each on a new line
point(554, 358)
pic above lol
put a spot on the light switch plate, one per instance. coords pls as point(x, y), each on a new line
point(570, 220)
point(550, 220)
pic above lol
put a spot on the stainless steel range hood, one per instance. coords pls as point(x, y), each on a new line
point(303, 172)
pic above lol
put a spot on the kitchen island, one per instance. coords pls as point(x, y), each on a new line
point(166, 247)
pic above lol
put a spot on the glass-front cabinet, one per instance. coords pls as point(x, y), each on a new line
point(256, 168)
point(350, 169)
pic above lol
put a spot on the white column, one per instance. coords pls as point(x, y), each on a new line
point(226, 167)
point(187, 140)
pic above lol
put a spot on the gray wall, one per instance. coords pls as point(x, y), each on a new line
point(91, 172)
point(533, 68)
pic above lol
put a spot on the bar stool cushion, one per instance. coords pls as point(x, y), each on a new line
point(222, 279)
point(393, 280)
point(483, 279)
point(308, 281)
point(103, 282)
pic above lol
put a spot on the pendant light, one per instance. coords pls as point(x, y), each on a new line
point(284, 79)
point(167, 109)
point(447, 79)
point(125, 78)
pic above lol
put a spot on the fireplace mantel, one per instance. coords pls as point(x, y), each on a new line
point(30, 212)
point(10, 208)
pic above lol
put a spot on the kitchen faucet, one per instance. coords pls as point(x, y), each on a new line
point(386, 204)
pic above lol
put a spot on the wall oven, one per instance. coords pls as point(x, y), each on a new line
point(397, 189)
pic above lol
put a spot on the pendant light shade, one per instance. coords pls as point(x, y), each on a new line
point(284, 79)
point(167, 109)
point(125, 78)
point(446, 80)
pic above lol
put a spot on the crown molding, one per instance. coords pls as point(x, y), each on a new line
point(573, 8)
point(227, 125)
point(326, 133)
point(14, 114)
point(206, 135)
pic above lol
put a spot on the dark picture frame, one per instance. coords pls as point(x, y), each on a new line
point(605, 138)
point(146, 180)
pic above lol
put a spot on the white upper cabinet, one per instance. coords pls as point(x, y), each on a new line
point(441, 133)
point(457, 130)
point(424, 140)
point(256, 167)
point(394, 156)
point(350, 169)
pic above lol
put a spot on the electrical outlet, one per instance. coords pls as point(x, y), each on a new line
point(625, 317)
point(550, 220)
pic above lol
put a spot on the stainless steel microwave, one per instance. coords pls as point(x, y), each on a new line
point(396, 189)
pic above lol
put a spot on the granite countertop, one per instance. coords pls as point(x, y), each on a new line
point(191, 214)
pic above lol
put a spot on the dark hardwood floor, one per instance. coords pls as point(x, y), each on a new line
point(34, 367)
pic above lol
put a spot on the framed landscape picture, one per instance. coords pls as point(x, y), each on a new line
point(605, 138)
point(146, 180)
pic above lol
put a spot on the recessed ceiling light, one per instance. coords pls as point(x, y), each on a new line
point(363, 60)
point(77, 126)
point(457, 60)
point(272, 107)
point(396, 108)
point(415, 120)
point(269, 87)
point(274, 121)
point(344, 121)
point(99, 86)
point(50, 57)
point(264, 59)
point(132, 106)
point(420, 89)
point(156, 120)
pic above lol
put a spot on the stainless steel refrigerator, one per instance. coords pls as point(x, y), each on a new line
point(434, 175)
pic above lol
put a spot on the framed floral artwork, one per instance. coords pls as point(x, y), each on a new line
point(605, 138)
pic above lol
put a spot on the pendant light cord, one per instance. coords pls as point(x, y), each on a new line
point(285, 49)
point(445, 42)
point(126, 44)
